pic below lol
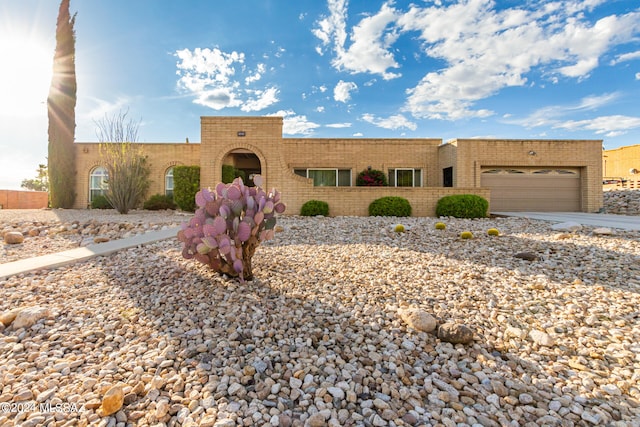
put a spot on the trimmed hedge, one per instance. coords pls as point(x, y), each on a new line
point(390, 206)
point(159, 202)
point(315, 207)
point(463, 206)
point(229, 173)
point(101, 202)
point(186, 183)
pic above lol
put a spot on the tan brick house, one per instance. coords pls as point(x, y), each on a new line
point(533, 175)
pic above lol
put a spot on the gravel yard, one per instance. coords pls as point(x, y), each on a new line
point(316, 339)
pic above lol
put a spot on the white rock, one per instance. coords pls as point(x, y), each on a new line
point(541, 338)
point(27, 317)
point(567, 226)
point(611, 389)
point(602, 231)
point(418, 319)
point(336, 392)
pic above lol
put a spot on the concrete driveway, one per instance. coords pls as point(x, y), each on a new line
point(597, 220)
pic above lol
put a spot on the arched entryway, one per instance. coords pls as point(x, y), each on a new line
point(241, 162)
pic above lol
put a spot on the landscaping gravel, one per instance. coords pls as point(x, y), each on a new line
point(322, 335)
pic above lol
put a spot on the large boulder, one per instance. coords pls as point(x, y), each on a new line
point(567, 226)
point(13, 237)
point(28, 317)
point(7, 317)
point(417, 319)
point(112, 401)
point(455, 333)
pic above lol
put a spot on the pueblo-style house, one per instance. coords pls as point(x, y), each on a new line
point(513, 174)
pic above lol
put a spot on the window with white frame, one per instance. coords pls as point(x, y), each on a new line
point(326, 177)
point(168, 182)
point(405, 177)
point(98, 182)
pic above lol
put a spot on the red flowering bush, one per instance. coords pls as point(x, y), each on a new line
point(371, 178)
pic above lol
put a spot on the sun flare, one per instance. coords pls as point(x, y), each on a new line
point(25, 76)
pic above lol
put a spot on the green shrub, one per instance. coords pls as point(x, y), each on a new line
point(399, 228)
point(315, 207)
point(371, 178)
point(100, 202)
point(462, 206)
point(390, 206)
point(186, 183)
point(493, 232)
point(229, 173)
point(159, 202)
point(466, 235)
point(440, 226)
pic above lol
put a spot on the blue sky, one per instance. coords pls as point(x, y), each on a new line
point(336, 68)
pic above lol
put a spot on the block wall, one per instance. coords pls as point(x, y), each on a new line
point(16, 199)
point(474, 154)
point(619, 162)
point(354, 201)
point(160, 156)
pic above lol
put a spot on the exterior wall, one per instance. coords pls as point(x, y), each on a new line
point(358, 154)
point(473, 154)
point(278, 157)
point(219, 136)
point(16, 199)
point(447, 158)
point(354, 201)
point(619, 162)
point(161, 156)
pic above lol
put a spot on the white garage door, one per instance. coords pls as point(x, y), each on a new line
point(534, 190)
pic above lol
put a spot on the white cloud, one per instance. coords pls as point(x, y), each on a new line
point(607, 125)
point(550, 115)
point(342, 91)
point(338, 125)
point(371, 40)
point(397, 121)
point(260, 69)
point(294, 124)
point(260, 99)
point(637, 76)
point(215, 79)
point(218, 98)
point(626, 57)
point(487, 50)
point(332, 29)
point(484, 49)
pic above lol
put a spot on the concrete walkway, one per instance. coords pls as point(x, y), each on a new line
point(597, 220)
point(80, 254)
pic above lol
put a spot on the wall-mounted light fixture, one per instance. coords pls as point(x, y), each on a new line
point(85, 150)
point(241, 133)
point(532, 153)
point(368, 168)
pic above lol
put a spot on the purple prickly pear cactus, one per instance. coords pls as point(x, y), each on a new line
point(229, 224)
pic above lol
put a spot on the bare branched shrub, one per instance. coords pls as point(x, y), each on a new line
point(124, 160)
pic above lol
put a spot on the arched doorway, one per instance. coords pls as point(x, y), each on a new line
point(241, 162)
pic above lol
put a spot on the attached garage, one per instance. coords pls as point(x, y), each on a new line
point(516, 189)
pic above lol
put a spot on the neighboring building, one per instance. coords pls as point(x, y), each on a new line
point(523, 175)
point(621, 166)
